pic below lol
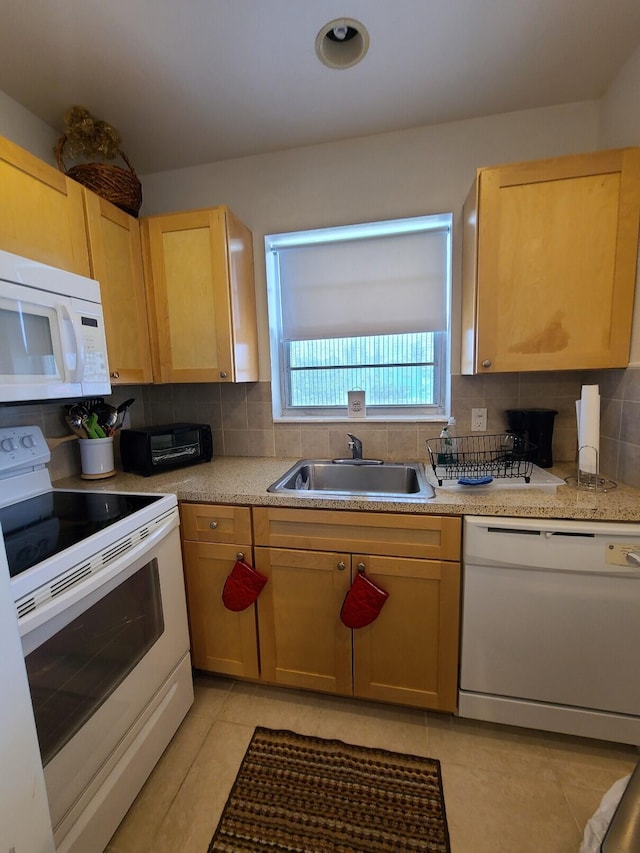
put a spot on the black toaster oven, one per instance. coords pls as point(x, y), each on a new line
point(151, 450)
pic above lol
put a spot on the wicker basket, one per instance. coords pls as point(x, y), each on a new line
point(113, 183)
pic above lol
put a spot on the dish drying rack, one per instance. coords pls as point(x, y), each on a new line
point(474, 457)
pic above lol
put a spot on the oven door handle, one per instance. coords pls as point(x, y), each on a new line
point(62, 608)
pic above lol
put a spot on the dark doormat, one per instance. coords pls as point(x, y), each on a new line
point(299, 793)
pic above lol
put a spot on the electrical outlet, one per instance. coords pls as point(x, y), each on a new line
point(478, 420)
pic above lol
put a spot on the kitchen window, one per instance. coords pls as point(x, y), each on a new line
point(361, 307)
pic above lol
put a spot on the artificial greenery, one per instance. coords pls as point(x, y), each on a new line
point(89, 137)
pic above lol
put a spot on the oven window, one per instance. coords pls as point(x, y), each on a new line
point(75, 671)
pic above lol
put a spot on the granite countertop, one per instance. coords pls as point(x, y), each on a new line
point(244, 480)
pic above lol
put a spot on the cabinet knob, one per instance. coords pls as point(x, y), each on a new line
point(213, 524)
point(115, 374)
point(486, 363)
point(361, 567)
point(223, 374)
point(341, 566)
point(240, 556)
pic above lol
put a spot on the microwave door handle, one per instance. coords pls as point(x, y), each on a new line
point(72, 319)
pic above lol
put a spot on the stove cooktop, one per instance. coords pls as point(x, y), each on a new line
point(41, 526)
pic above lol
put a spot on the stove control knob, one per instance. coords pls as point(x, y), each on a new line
point(7, 445)
point(633, 558)
point(28, 441)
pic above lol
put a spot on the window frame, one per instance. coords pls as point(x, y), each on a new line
point(442, 342)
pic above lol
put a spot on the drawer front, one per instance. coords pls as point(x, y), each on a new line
point(216, 523)
point(393, 534)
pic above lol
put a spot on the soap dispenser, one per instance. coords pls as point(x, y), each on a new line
point(448, 456)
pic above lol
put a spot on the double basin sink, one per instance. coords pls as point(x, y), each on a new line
point(357, 477)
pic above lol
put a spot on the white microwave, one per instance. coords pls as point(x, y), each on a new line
point(52, 340)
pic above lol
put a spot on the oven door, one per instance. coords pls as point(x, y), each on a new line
point(96, 664)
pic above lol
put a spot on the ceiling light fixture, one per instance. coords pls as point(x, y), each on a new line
point(342, 43)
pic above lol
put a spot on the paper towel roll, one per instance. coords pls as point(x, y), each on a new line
point(588, 415)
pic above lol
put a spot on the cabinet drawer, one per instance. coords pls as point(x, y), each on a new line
point(216, 523)
point(393, 534)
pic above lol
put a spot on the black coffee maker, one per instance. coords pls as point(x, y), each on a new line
point(536, 426)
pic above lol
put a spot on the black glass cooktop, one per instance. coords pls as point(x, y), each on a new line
point(46, 524)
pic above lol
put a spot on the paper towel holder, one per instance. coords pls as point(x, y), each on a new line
point(588, 481)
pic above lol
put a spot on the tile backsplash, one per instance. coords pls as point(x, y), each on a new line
point(242, 424)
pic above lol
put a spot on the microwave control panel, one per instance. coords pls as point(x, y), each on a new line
point(96, 368)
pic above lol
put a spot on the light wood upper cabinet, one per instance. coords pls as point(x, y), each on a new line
point(41, 211)
point(549, 263)
point(115, 252)
point(201, 297)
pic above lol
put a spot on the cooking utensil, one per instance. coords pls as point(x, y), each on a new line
point(122, 411)
point(75, 426)
point(90, 425)
point(76, 416)
point(107, 414)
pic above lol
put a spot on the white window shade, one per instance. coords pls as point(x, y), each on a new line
point(378, 286)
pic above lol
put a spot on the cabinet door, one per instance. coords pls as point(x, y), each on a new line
point(242, 294)
point(222, 640)
point(303, 643)
point(41, 215)
point(409, 654)
point(116, 261)
point(191, 299)
point(557, 245)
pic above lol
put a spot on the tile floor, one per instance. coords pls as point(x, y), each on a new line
point(507, 790)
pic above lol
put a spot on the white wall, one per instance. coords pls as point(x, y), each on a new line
point(619, 127)
point(423, 170)
point(620, 108)
point(27, 130)
point(406, 173)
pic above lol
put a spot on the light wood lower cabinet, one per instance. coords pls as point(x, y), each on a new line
point(221, 640)
point(409, 654)
point(294, 636)
point(302, 641)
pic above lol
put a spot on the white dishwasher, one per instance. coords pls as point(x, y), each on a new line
point(551, 626)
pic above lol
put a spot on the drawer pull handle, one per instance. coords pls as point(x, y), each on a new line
point(213, 524)
point(341, 566)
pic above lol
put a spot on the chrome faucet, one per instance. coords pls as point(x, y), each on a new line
point(355, 446)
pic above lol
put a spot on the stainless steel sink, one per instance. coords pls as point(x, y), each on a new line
point(358, 477)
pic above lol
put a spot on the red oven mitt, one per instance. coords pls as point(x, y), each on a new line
point(242, 587)
point(363, 602)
